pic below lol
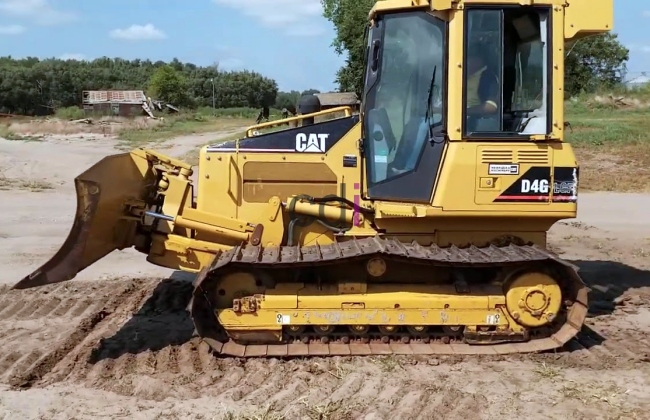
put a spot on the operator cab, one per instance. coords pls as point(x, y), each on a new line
point(504, 95)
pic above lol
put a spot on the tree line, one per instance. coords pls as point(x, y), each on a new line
point(31, 86)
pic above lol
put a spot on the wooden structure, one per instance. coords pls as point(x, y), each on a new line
point(124, 103)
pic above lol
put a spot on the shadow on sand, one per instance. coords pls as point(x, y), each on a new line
point(163, 319)
point(608, 281)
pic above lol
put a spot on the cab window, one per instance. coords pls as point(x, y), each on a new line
point(506, 77)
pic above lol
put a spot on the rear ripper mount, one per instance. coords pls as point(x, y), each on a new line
point(527, 272)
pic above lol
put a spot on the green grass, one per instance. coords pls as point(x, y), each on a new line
point(601, 126)
point(179, 125)
point(611, 138)
point(75, 113)
point(248, 113)
point(70, 113)
point(6, 133)
point(203, 120)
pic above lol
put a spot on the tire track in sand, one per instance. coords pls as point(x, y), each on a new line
point(39, 326)
point(144, 347)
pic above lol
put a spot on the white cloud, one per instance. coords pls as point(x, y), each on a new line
point(138, 33)
point(646, 13)
point(295, 17)
point(11, 29)
point(40, 12)
point(72, 56)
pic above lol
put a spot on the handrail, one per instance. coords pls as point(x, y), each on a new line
point(347, 109)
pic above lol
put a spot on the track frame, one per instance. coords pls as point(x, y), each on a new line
point(244, 257)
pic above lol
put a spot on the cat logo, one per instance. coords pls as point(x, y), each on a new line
point(312, 143)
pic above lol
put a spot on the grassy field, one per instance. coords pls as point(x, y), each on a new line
point(132, 132)
point(204, 120)
point(612, 142)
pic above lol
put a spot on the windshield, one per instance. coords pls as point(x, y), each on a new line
point(404, 80)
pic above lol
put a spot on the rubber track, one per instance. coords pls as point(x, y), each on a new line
point(276, 257)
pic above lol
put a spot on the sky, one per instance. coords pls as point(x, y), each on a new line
point(286, 40)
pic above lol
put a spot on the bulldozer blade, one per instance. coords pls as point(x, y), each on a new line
point(100, 225)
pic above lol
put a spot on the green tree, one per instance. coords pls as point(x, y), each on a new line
point(594, 62)
point(287, 99)
point(350, 18)
point(168, 84)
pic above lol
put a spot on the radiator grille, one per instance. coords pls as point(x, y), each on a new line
point(536, 157)
point(532, 157)
point(497, 156)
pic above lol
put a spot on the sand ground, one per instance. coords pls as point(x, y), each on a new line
point(117, 343)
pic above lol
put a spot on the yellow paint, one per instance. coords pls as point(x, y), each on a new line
point(267, 319)
point(534, 299)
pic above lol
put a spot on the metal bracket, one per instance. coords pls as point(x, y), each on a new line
point(247, 304)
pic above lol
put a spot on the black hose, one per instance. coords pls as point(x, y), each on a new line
point(332, 228)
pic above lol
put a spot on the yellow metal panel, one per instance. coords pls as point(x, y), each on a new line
point(349, 176)
point(182, 253)
point(268, 319)
point(455, 85)
point(394, 5)
point(588, 17)
point(460, 171)
point(283, 296)
point(381, 296)
point(441, 4)
point(217, 181)
point(524, 156)
point(557, 58)
point(379, 300)
point(224, 177)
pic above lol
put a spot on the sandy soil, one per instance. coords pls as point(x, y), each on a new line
point(117, 342)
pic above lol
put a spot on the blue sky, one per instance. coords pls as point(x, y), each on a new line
point(287, 40)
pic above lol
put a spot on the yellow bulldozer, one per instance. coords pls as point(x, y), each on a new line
point(415, 226)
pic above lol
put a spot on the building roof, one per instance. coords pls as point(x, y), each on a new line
point(337, 98)
point(114, 96)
